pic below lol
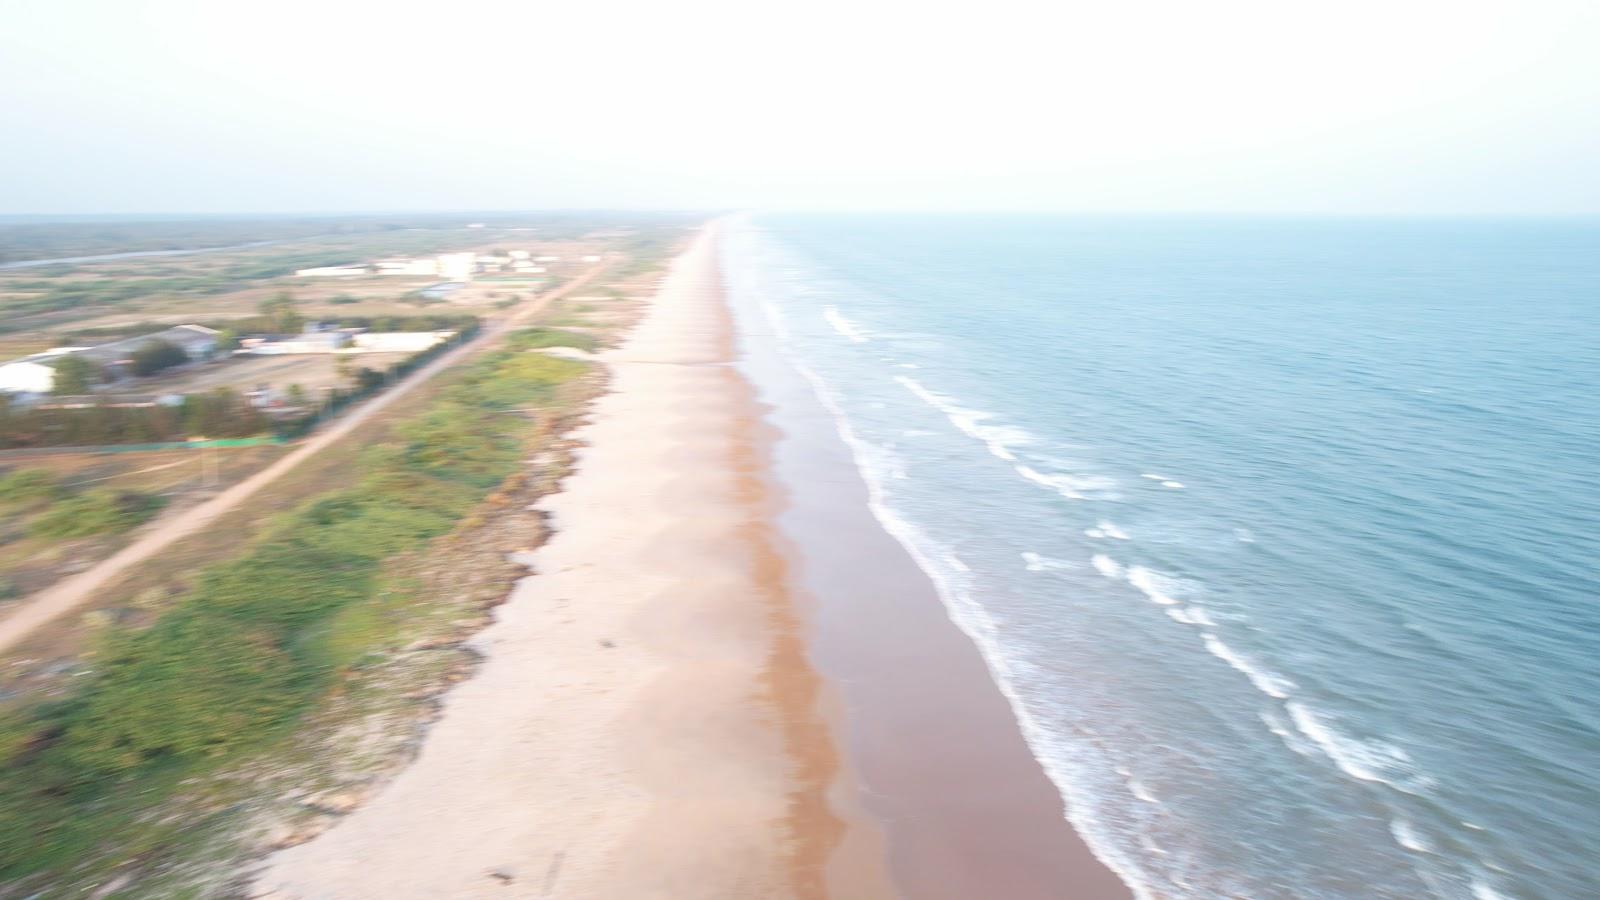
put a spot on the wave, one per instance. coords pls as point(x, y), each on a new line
point(1156, 586)
point(1373, 761)
point(979, 626)
point(1106, 566)
point(1038, 563)
point(844, 326)
point(1407, 836)
point(1269, 683)
point(1175, 485)
point(1106, 529)
point(1482, 891)
point(1000, 439)
point(1291, 739)
point(1138, 789)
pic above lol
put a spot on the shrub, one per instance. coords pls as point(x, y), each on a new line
point(100, 511)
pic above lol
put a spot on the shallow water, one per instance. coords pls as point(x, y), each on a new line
point(1277, 534)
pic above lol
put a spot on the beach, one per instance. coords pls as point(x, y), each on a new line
point(721, 678)
point(642, 723)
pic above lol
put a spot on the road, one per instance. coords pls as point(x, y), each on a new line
point(32, 612)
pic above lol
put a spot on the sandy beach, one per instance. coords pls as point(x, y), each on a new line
point(642, 724)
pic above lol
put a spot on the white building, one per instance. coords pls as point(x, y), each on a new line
point(591, 259)
point(399, 341)
point(407, 266)
point(457, 266)
point(520, 254)
point(26, 376)
point(331, 271)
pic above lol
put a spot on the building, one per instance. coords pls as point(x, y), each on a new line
point(331, 272)
point(399, 341)
point(310, 342)
point(29, 375)
point(36, 374)
point(406, 266)
point(457, 266)
point(197, 341)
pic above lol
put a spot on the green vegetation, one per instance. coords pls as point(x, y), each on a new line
point(220, 413)
point(280, 314)
point(259, 641)
point(540, 338)
point(156, 356)
point(99, 511)
point(74, 375)
point(33, 498)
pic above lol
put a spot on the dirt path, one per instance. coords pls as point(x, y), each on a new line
point(67, 594)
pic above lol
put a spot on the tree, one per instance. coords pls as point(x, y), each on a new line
point(227, 341)
point(296, 396)
point(343, 365)
point(281, 313)
point(368, 380)
point(157, 355)
point(74, 375)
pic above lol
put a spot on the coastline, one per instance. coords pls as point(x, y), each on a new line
point(611, 743)
point(923, 726)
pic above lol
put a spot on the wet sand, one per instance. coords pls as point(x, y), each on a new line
point(643, 723)
point(967, 811)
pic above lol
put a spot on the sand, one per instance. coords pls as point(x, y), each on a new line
point(642, 722)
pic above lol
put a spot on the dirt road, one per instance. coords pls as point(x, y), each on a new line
point(67, 594)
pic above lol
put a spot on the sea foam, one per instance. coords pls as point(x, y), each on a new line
point(999, 439)
point(844, 326)
point(1373, 761)
point(1269, 683)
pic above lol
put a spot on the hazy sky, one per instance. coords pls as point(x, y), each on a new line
point(1201, 105)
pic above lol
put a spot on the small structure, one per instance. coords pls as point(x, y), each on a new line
point(399, 341)
point(29, 375)
point(331, 272)
point(310, 342)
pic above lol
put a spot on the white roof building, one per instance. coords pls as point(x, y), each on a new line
point(331, 271)
point(26, 376)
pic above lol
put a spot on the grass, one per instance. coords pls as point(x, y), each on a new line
point(259, 641)
point(35, 499)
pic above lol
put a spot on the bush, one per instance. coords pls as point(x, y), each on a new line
point(157, 355)
point(28, 486)
point(100, 511)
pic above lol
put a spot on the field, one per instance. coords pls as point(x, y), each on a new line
point(314, 372)
point(52, 305)
point(43, 489)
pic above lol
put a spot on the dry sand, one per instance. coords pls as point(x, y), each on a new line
point(643, 723)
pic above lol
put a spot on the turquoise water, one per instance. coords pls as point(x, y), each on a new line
point(1279, 535)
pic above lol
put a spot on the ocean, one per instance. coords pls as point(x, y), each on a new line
point(1279, 535)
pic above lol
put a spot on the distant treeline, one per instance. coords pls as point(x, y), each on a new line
point(269, 324)
point(221, 413)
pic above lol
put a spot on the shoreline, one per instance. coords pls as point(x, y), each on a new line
point(642, 721)
point(924, 728)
